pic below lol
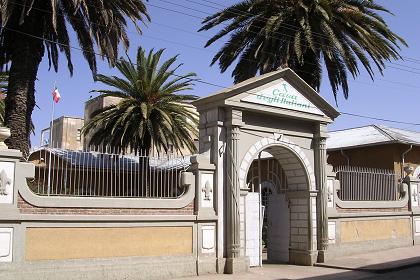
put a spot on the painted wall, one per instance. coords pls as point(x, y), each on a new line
point(365, 230)
point(78, 243)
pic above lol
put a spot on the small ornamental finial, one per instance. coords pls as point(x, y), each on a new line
point(4, 134)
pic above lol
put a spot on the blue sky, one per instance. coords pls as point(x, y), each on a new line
point(396, 95)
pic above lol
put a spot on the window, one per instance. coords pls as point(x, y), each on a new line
point(79, 135)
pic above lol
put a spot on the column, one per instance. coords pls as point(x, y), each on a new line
point(321, 183)
point(233, 193)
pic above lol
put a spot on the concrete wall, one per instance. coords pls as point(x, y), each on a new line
point(365, 233)
point(99, 242)
point(51, 243)
point(372, 226)
point(362, 226)
point(365, 230)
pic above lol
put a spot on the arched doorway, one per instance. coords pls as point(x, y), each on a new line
point(239, 122)
point(267, 185)
point(278, 207)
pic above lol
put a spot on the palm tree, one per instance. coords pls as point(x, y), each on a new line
point(4, 78)
point(265, 35)
point(32, 28)
point(151, 112)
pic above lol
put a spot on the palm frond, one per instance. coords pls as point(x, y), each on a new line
point(152, 112)
point(265, 35)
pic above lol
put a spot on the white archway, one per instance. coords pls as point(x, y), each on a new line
point(301, 196)
point(287, 160)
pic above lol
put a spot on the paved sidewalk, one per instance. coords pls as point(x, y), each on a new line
point(378, 262)
point(363, 266)
point(286, 272)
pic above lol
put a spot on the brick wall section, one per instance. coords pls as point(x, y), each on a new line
point(362, 210)
point(299, 224)
point(26, 208)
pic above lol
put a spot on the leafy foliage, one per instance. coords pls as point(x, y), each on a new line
point(33, 28)
point(265, 35)
point(151, 112)
point(94, 21)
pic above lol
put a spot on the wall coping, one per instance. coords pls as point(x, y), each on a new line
point(372, 204)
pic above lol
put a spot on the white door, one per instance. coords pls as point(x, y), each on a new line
point(252, 228)
point(278, 234)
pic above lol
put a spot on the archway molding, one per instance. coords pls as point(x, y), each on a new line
point(291, 157)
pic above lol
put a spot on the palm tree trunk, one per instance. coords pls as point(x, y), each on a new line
point(20, 100)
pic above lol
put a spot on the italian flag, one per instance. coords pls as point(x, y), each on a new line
point(56, 95)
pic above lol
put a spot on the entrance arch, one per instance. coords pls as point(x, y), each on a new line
point(289, 155)
point(289, 223)
point(239, 122)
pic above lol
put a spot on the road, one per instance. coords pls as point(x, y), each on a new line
point(412, 273)
point(288, 272)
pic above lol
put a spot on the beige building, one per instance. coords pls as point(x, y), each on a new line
point(95, 104)
point(375, 146)
point(66, 133)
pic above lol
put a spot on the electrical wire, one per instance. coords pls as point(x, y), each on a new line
point(201, 81)
point(282, 34)
point(205, 50)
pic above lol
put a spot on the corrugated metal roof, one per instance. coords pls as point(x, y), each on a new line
point(108, 161)
point(369, 136)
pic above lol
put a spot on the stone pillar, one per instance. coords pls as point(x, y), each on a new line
point(233, 194)
point(321, 184)
point(12, 173)
point(234, 261)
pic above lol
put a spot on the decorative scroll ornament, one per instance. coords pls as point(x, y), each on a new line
point(4, 182)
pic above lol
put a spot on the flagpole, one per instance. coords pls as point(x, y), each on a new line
point(52, 117)
point(50, 142)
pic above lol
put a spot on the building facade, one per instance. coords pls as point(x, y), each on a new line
point(375, 146)
point(67, 133)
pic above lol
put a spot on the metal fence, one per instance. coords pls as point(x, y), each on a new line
point(366, 184)
point(105, 172)
point(266, 170)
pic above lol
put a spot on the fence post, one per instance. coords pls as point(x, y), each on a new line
point(204, 182)
point(12, 172)
point(205, 205)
